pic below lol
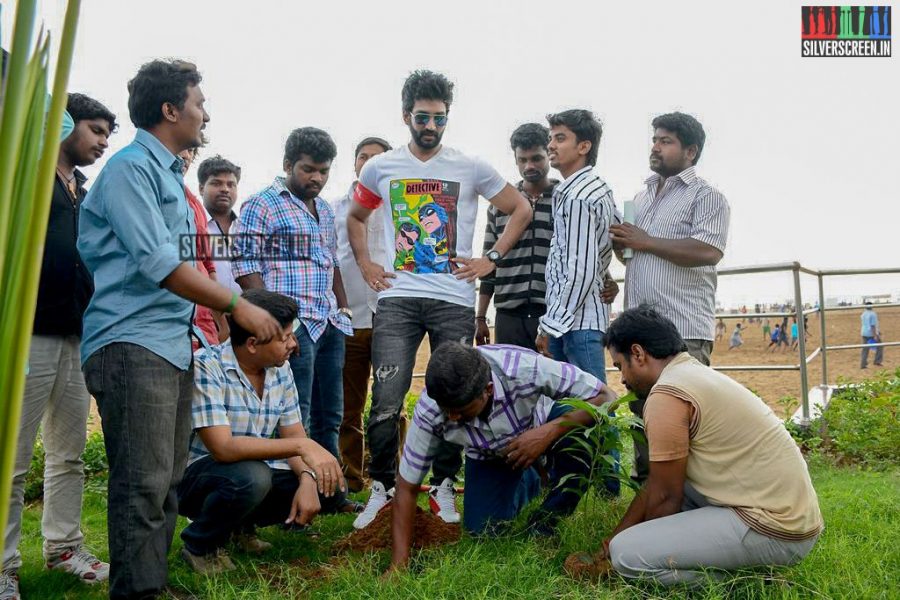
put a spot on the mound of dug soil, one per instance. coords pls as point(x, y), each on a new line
point(429, 531)
point(584, 567)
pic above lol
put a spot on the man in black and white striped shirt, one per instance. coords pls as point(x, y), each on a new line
point(573, 327)
point(517, 285)
point(678, 237)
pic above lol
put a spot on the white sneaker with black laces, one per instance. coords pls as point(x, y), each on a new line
point(442, 499)
point(378, 499)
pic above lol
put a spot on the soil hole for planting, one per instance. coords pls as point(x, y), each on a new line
point(429, 531)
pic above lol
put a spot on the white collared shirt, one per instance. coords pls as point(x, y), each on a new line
point(686, 207)
point(223, 267)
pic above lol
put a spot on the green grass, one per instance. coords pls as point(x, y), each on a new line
point(856, 557)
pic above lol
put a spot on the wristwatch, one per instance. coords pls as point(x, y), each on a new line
point(346, 311)
point(493, 256)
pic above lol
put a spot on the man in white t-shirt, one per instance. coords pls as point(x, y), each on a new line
point(426, 282)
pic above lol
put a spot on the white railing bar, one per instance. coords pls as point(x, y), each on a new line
point(858, 346)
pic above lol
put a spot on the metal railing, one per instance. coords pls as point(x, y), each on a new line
point(799, 314)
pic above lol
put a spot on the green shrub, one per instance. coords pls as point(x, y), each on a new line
point(861, 421)
point(34, 480)
point(95, 465)
point(608, 432)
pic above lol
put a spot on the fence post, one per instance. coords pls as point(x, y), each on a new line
point(824, 344)
point(804, 383)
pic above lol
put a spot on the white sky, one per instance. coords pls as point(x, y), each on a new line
point(802, 148)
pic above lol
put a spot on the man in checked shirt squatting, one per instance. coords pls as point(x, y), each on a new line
point(501, 404)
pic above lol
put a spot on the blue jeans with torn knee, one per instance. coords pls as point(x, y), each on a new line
point(399, 326)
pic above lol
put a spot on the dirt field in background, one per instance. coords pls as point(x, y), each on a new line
point(843, 328)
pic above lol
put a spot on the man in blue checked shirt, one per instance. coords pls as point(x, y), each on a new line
point(288, 245)
point(240, 474)
point(501, 404)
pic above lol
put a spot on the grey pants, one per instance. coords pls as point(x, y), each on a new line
point(56, 397)
point(145, 404)
point(697, 543)
point(864, 356)
point(699, 349)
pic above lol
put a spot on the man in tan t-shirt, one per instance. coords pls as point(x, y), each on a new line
point(728, 487)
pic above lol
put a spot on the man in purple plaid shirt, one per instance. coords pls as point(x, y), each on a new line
point(287, 244)
point(501, 404)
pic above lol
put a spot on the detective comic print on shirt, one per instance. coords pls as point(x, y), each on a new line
point(424, 212)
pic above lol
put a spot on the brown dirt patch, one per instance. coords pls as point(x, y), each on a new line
point(429, 531)
point(584, 567)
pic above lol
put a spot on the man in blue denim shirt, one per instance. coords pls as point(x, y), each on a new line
point(136, 349)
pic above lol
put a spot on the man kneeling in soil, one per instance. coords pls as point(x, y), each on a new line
point(239, 476)
point(499, 402)
point(728, 487)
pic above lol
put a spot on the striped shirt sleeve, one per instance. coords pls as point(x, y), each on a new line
point(559, 380)
point(581, 260)
point(710, 222)
point(247, 245)
point(490, 238)
point(422, 440)
point(208, 404)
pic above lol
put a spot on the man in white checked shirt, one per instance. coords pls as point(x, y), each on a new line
point(679, 235)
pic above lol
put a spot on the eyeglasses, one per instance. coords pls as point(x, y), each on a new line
point(423, 119)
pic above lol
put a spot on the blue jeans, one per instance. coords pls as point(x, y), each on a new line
point(496, 493)
point(584, 349)
point(318, 374)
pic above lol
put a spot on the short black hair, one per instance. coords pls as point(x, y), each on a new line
point(529, 135)
point(282, 308)
point(312, 142)
point(371, 140)
point(156, 83)
point(456, 374)
point(85, 108)
point(216, 165)
point(584, 125)
point(426, 85)
point(686, 128)
point(647, 328)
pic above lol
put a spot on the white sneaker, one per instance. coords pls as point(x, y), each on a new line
point(9, 586)
point(378, 499)
point(442, 499)
point(81, 563)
